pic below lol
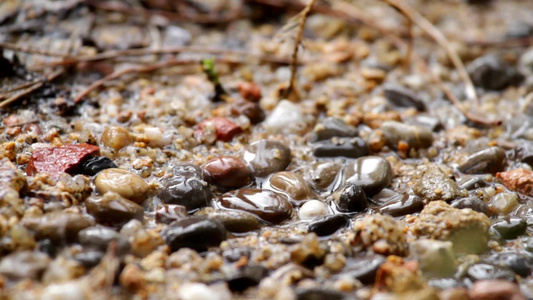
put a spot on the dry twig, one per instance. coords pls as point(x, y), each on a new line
point(37, 85)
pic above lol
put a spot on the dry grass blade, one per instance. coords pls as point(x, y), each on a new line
point(439, 37)
point(37, 85)
point(302, 18)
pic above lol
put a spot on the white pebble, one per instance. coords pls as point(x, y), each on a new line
point(68, 290)
point(286, 117)
point(196, 291)
point(313, 209)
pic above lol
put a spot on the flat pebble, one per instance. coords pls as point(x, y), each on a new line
point(328, 225)
point(490, 160)
point(519, 263)
point(341, 147)
point(226, 172)
point(322, 175)
point(58, 160)
point(313, 209)
point(124, 183)
point(371, 173)
point(415, 136)
point(332, 127)
point(403, 97)
point(510, 228)
point(350, 198)
point(94, 165)
point(195, 233)
point(266, 157)
point(485, 271)
point(402, 205)
point(236, 221)
point(473, 203)
point(362, 268)
point(113, 209)
point(186, 187)
point(269, 206)
point(293, 185)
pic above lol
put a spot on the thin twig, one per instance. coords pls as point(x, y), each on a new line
point(25, 49)
point(437, 35)
point(30, 90)
point(299, 35)
point(142, 69)
point(410, 41)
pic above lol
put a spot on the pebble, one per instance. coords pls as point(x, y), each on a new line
point(519, 263)
point(124, 183)
point(248, 276)
point(490, 160)
point(510, 228)
point(485, 271)
point(313, 209)
point(94, 165)
point(415, 136)
point(473, 203)
point(287, 117)
point(24, 264)
point(224, 128)
point(402, 205)
point(168, 213)
point(293, 185)
point(495, 289)
point(58, 160)
point(63, 291)
point(504, 203)
point(251, 110)
point(197, 291)
point(265, 157)
point(492, 73)
point(431, 123)
point(435, 185)
point(435, 258)
point(316, 294)
point(113, 209)
point(403, 97)
point(520, 180)
point(362, 268)
point(332, 127)
point(195, 233)
point(465, 228)
point(58, 227)
point(186, 187)
point(351, 198)
point(250, 91)
point(383, 234)
point(472, 182)
point(524, 150)
point(344, 147)
point(11, 177)
point(323, 175)
point(236, 221)
point(116, 137)
point(269, 206)
point(328, 225)
point(89, 258)
point(99, 237)
point(226, 172)
point(371, 173)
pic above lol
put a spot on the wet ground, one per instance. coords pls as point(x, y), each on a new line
point(148, 151)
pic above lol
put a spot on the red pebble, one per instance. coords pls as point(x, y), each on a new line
point(56, 160)
point(225, 128)
point(250, 91)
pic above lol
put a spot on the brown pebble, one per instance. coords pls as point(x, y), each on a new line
point(116, 137)
point(520, 180)
point(226, 172)
point(495, 290)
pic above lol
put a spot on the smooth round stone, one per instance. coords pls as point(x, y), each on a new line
point(236, 221)
point(517, 262)
point(112, 209)
point(116, 137)
point(169, 213)
point(402, 205)
point(328, 225)
point(124, 183)
point(504, 203)
point(322, 175)
point(510, 228)
point(293, 185)
point(99, 237)
point(363, 268)
point(403, 97)
point(473, 203)
point(484, 271)
point(490, 160)
point(415, 136)
point(195, 233)
point(248, 276)
point(269, 206)
point(351, 198)
point(313, 209)
point(185, 187)
point(332, 127)
point(226, 172)
point(266, 157)
point(341, 147)
point(371, 173)
point(94, 165)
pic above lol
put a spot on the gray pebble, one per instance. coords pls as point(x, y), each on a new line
point(195, 233)
point(112, 209)
point(337, 147)
point(403, 97)
point(490, 160)
point(185, 187)
point(415, 136)
point(371, 173)
point(265, 157)
point(332, 127)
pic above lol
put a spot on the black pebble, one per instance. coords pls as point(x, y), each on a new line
point(351, 198)
point(345, 147)
point(94, 165)
point(195, 233)
point(248, 276)
point(510, 228)
point(329, 224)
